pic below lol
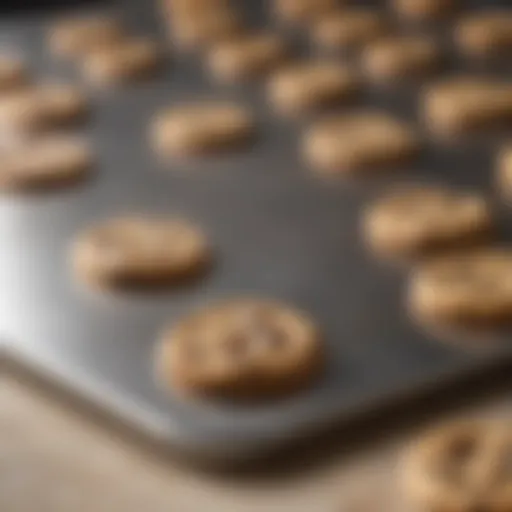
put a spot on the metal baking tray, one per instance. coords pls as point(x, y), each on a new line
point(278, 231)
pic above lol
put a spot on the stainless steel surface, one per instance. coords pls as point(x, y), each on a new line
point(277, 230)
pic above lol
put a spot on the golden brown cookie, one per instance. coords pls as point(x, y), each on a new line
point(307, 86)
point(462, 467)
point(466, 288)
point(246, 57)
point(357, 142)
point(304, 11)
point(414, 221)
point(247, 348)
point(129, 60)
point(424, 10)
point(349, 28)
point(41, 107)
point(485, 33)
point(75, 37)
point(13, 73)
point(394, 58)
point(465, 104)
point(47, 162)
point(140, 249)
point(201, 127)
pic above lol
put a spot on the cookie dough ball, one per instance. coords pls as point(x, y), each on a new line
point(41, 163)
point(424, 10)
point(461, 467)
point(247, 57)
point(42, 107)
point(307, 86)
point(245, 349)
point(304, 11)
point(464, 289)
point(416, 220)
point(139, 249)
point(75, 37)
point(395, 58)
point(359, 142)
point(464, 104)
point(13, 73)
point(485, 33)
point(349, 28)
point(201, 127)
point(127, 61)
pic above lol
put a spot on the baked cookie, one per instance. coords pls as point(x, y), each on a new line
point(464, 288)
point(362, 141)
point(75, 37)
point(424, 10)
point(140, 249)
point(349, 28)
point(464, 104)
point(13, 74)
point(247, 348)
point(247, 57)
point(462, 467)
point(201, 127)
point(485, 33)
point(395, 58)
point(304, 11)
point(504, 172)
point(310, 85)
point(415, 221)
point(47, 162)
point(126, 61)
point(41, 107)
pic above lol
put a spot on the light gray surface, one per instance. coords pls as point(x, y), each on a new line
point(277, 230)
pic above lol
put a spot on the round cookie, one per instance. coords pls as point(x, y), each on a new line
point(246, 349)
point(424, 10)
point(357, 142)
point(201, 127)
point(462, 467)
point(246, 57)
point(304, 11)
point(140, 249)
point(41, 107)
point(310, 85)
point(394, 58)
point(47, 162)
point(485, 33)
point(415, 221)
point(75, 37)
point(126, 61)
point(13, 74)
point(349, 28)
point(464, 104)
point(464, 289)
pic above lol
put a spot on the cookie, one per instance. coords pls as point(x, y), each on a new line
point(13, 74)
point(417, 220)
point(485, 33)
point(139, 249)
point(246, 349)
point(357, 142)
point(129, 60)
point(42, 163)
point(504, 172)
point(247, 57)
point(74, 37)
point(310, 85)
point(424, 10)
point(349, 28)
point(201, 127)
point(399, 57)
point(190, 8)
point(303, 11)
point(464, 289)
point(41, 107)
point(461, 467)
point(464, 104)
